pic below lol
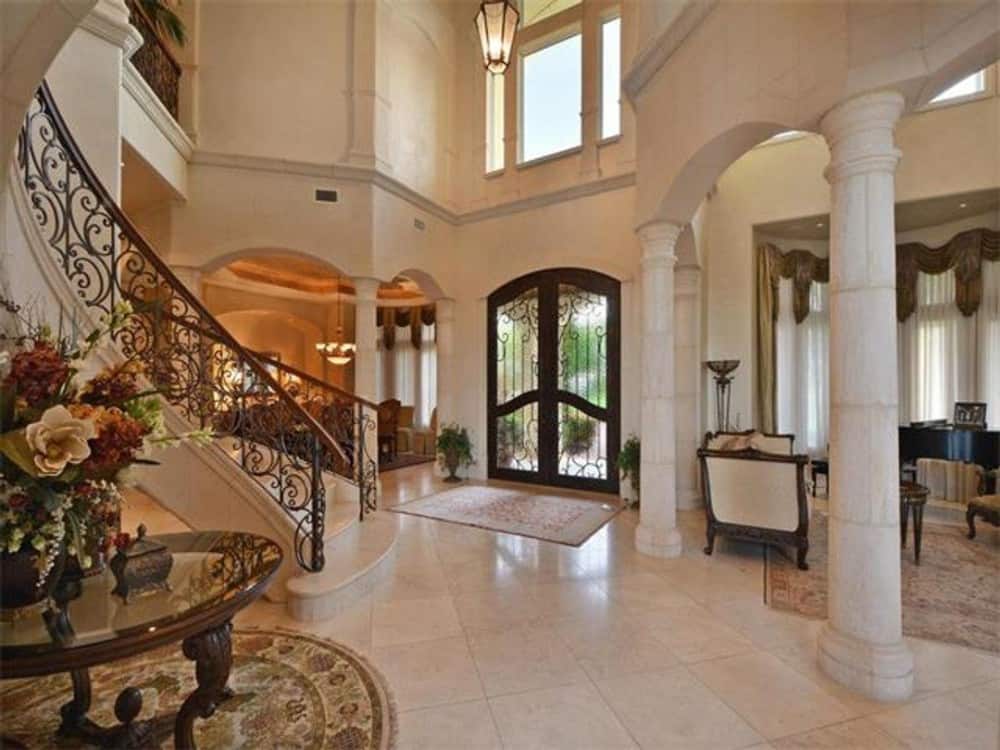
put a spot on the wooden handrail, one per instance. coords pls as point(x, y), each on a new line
point(313, 380)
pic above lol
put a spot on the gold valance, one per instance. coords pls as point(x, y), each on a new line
point(965, 252)
point(803, 268)
point(388, 318)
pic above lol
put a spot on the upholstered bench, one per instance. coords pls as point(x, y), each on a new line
point(987, 507)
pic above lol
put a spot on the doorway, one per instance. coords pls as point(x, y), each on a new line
point(554, 362)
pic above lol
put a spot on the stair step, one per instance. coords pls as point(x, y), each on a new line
point(356, 559)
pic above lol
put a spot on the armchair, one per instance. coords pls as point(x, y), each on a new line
point(425, 440)
point(405, 430)
point(756, 495)
point(388, 424)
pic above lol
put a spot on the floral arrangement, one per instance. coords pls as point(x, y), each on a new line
point(70, 428)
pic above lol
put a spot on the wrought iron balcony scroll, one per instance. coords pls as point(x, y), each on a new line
point(154, 60)
point(187, 354)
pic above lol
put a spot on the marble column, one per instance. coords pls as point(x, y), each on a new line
point(365, 333)
point(687, 372)
point(657, 532)
point(444, 316)
point(861, 644)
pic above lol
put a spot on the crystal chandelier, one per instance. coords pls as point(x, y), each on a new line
point(496, 23)
point(338, 352)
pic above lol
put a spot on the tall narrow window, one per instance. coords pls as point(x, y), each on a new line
point(494, 122)
point(551, 99)
point(611, 73)
point(967, 87)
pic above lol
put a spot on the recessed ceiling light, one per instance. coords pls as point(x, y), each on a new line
point(963, 205)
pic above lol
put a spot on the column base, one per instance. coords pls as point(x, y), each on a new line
point(881, 672)
point(658, 542)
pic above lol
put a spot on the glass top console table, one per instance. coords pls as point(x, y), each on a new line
point(214, 575)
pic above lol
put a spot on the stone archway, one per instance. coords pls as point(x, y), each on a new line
point(702, 100)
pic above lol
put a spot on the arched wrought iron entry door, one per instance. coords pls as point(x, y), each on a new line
point(554, 366)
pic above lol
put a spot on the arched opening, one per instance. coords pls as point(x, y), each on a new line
point(553, 369)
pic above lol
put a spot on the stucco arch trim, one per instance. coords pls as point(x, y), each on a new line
point(223, 255)
point(695, 179)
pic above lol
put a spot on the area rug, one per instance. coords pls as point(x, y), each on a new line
point(552, 518)
point(291, 690)
point(403, 460)
point(952, 596)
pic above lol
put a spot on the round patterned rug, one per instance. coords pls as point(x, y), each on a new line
point(291, 690)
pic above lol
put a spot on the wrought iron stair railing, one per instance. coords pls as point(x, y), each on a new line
point(350, 419)
point(190, 357)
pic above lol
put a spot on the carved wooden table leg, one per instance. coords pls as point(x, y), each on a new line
point(212, 652)
point(74, 713)
point(75, 723)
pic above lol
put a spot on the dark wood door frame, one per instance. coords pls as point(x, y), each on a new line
point(548, 395)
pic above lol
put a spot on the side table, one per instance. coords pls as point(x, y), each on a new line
point(912, 496)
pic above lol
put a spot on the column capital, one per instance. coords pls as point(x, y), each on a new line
point(859, 132)
point(365, 288)
point(659, 239)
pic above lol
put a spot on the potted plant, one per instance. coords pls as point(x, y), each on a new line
point(454, 449)
point(70, 427)
point(578, 434)
point(628, 468)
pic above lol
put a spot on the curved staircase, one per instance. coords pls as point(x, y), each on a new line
point(293, 456)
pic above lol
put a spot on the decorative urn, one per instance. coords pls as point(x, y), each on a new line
point(141, 567)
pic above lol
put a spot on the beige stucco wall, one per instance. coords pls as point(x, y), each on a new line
point(272, 79)
point(750, 70)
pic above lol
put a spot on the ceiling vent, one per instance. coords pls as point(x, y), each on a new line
point(326, 196)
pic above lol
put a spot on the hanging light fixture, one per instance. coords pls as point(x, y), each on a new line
point(496, 23)
point(338, 352)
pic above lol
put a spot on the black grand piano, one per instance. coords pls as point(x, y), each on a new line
point(935, 440)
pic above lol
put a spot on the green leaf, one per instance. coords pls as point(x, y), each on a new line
point(50, 499)
point(14, 446)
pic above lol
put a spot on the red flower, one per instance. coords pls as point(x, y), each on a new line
point(18, 501)
point(112, 387)
point(119, 438)
point(38, 374)
point(122, 540)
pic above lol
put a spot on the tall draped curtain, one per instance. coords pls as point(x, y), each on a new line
point(406, 368)
point(427, 377)
point(988, 343)
point(945, 356)
point(802, 354)
point(937, 352)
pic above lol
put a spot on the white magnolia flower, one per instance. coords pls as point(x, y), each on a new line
point(59, 438)
point(5, 362)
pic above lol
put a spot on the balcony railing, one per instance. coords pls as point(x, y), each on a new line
point(154, 61)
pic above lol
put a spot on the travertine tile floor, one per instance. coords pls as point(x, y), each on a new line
point(496, 641)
